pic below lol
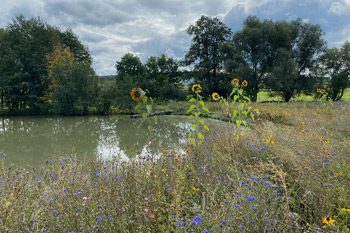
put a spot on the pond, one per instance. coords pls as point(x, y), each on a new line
point(31, 141)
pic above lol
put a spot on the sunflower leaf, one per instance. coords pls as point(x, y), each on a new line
point(191, 108)
point(205, 109)
point(200, 136)
point(144, 116)
point(138, 105)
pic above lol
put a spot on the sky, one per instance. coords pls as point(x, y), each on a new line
point(112, 28)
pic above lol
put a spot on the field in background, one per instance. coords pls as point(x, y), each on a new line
point(264, 96)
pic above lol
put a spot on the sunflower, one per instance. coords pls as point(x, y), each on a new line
point(244, 83)
point(323, 90)
point(136, 94)
point(215, 96)
point(235, 80)
point(326, 142)
point(196, 88)
point(328, 221)
point(318, 89)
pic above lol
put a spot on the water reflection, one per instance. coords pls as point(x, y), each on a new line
point(32, 140)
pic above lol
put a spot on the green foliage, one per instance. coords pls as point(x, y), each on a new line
point(162, 78)
point(129, 65)
point(277, 55)
point(324, 98)
point(335, 69)
point(70, 83)
point(123, 87)
point(24, 77)
point(207, 36)
point(196, 109)
point(106, 96)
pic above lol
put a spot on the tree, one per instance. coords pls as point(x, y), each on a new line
point(106, 96)
point(70, 83)
point(306, 44)
point(163, 77)
point(335, 68)
point(252, 52)
point(3, 48)
point(130, 74)
point(207, 36)
point(263, 52)
point(27, 44)
point(129, 65)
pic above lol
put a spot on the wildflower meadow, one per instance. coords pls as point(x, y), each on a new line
point(270, 167)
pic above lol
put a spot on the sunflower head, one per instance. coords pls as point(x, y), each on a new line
point(235, 80)
point(244, 83)
point(323, 90)
point(196, 88)
point(215, 96)
point(136, 94)
point(318, 89)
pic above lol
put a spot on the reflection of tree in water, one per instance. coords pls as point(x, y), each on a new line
point(168, 131)
point(34, 140)
point(38, 139)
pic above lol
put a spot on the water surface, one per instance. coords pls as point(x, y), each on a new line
point(29, 141)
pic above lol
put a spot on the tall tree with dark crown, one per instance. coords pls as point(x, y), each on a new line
point(207, 36)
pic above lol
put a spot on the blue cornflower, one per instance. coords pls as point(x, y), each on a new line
point(179, 223)
point(96, 227)
point(243, 227)
point(251, 199)
point(54, 211)
point(268, 183)
point(198, 219)
point(99, 219)
point(4, 155)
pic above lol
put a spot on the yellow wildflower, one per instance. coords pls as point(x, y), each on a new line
point(215, 96)
point(328, 221)
point(196, 88)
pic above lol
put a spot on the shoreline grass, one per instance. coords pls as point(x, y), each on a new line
point(267, 177)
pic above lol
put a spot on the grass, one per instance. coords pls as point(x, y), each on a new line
point(268, 177)
point(264, 96)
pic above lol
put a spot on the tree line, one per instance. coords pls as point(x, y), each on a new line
point(44, 69)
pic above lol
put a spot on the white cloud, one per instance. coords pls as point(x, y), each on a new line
point(111, 28)
point(336, 8)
